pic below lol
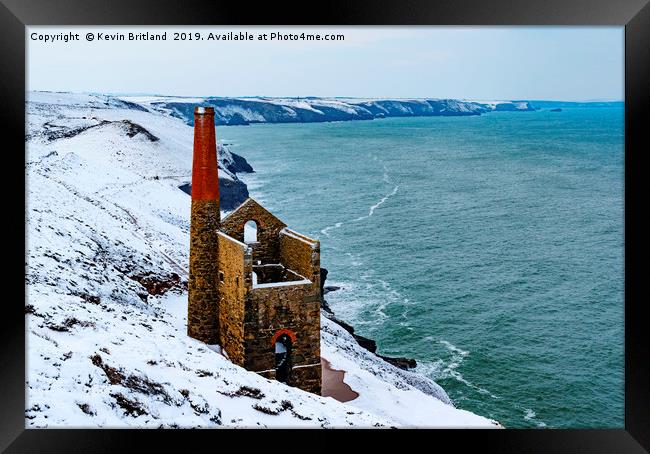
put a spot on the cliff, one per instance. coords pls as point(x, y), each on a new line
point(243, 111)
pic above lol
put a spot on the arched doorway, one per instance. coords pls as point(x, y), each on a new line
point(283, 358)
point(283, 341)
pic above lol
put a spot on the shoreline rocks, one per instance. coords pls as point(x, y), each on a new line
point(365, 342)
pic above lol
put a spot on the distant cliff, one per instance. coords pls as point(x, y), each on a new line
point(243, 111)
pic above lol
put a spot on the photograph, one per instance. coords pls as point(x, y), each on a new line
point(325, 227)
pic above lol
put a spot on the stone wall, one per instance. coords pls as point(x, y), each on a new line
point(250, 316)
point(266, 249)
point(301, 254)
point(203, 294)
point(308, 378)
point(232, 291)
point(293, 307)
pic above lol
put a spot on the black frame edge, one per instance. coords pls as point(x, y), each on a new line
point(637, 100)
point(635, 14)
point(12, 118)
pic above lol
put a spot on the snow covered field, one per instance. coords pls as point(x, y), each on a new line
point(108, 242)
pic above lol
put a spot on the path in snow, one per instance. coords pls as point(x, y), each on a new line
point(333, 384)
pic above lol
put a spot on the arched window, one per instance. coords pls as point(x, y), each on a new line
point(250, 232)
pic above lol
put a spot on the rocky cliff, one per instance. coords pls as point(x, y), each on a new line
point(243, 111)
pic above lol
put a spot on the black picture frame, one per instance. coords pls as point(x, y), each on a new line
point(633, 14)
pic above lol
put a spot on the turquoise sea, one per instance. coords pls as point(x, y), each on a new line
point(489, 248)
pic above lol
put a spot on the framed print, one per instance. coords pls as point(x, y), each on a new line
point(409, 216)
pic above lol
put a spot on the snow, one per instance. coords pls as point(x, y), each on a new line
point(407, 398)
point(297, 236)
point(104, 214)
point(279, 284)
point(247, 114)
point(154, 99)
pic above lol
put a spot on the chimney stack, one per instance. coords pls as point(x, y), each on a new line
point(203, 301)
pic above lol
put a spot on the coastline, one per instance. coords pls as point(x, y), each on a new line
point(133, 237)
point(365, 342)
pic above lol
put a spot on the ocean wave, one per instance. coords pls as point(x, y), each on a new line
point(441, 369)
point(354, 259)
point(531, 416)
point(371, 211)
point(378, 204)
point(330, 227)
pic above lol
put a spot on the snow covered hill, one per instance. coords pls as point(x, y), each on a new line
point(242, 111)
point(106, 275)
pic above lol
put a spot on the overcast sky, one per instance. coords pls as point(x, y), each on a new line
point(560, 63)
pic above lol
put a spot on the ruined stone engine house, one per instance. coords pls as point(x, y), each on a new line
point(248, 294)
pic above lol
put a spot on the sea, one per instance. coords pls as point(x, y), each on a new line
point(488, 248)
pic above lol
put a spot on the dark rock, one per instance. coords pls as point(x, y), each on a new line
point(52, 132)
point(330, 288)
point(237, 119)
point(245, 391)
point(86, 409)
point(115, 377)
point(130, 407)
point(69, 323)
point(241, 165)
point(365, 342)
point(135, 383)
point(556, 110)
point(325, 307)
point(323, 278)
point(157, 285)
point(401, 362)
point(232, 162)
point(186, 188)
point(368, 344)
point(133, 129)
point(232, 193)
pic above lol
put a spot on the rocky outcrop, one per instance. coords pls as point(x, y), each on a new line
point(368, 344)
point(400, 361)
point(233, 162)
point(133, 129)
point(232, 193)
point(159, 285)
point(52, 132)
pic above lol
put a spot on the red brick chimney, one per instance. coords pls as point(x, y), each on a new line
point(203, 300)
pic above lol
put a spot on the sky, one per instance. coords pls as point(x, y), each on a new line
point(483, 63)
